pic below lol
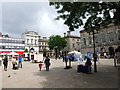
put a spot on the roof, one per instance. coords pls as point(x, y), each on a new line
point(31, 32)
point(71, 36)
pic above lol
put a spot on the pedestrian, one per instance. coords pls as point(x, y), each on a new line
point(5, 63)
point(59, 56)
point(66, 59)
point(0, 60)
point(98, 55)
point(19, 61)
point(40, 65)
point(63, 58)
point(47, 63)
point(88, 65)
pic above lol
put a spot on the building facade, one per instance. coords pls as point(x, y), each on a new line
point(43, 44)
point(73, 42)
point(31, 40)
point(9, 44)
point(106, 40)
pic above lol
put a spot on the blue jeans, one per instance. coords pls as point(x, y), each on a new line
point(20, 64)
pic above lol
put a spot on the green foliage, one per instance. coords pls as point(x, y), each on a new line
point(96, 14)
point(44, 52)
point(26, 50)
point(57, 42)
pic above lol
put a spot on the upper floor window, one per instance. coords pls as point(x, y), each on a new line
point(103, 37)
point(27, 40)
point(84, 40)
point(73, 45)
point(31, 40)
point(111, 36)
point(96, 39)
point(35, 41)
point(119, 35)
point(90, 40)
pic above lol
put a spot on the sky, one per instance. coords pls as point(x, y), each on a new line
point(19, 17)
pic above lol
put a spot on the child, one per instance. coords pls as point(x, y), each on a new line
point(40, 65)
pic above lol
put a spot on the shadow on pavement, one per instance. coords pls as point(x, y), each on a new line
point(58, 77)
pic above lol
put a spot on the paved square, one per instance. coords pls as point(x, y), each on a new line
point(58, 77)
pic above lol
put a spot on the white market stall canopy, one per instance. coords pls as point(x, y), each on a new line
point(3, 54)
point(13, 53)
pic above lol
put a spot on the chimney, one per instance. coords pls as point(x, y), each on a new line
point(64, 34)
point(7, 36)
point(68, 33)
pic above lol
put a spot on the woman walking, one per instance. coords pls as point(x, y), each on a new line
point(5, 63)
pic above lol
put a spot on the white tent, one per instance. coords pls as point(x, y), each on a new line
point(13, 53)
point(78, 55)
point(75, 52)
point(3, 54)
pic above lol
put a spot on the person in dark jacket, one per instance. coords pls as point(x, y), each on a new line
point(5, 63)
point(47, 63)
point(88, 65)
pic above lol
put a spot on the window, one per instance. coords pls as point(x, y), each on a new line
point(111, 36)
point(31, 40)
point(103, 37)
point(35, 41)
point(27, 40)
point(96, 39)
point(73, 45)
point(84, 40)
point(90, 40)
point(119, 35)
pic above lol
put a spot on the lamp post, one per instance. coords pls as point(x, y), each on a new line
point(94, 55)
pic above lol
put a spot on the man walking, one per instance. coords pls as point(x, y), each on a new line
point(47, 63)
point(19, 61)
point(5, 62)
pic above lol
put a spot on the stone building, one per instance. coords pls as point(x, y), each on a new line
point(43, 44)
point(31, 40)
point(106, 40)
point(73, 42)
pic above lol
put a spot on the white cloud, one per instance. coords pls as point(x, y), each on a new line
point(37, 16)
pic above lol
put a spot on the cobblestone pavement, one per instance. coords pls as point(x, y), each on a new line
point(30, 77)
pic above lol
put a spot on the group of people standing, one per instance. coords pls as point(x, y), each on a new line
point(16, 63)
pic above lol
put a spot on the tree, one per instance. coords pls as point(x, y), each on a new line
point(96, 14)
point(26, 50)
point(57, 43)
point(44, 52)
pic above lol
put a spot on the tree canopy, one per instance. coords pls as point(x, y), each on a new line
point(96, 14)
point(57, 42)
point(26, 50)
